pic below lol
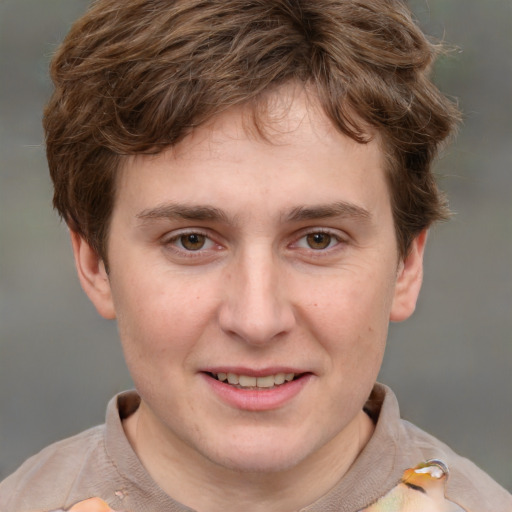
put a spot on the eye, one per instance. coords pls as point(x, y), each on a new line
point(190, 241)
point(318, 241)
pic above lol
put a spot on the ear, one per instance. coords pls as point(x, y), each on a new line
point(408, 283)
point(93, 276)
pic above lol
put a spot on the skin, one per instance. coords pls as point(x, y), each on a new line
point(257, 296)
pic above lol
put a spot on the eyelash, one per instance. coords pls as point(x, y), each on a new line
point(333, 237)
point(172, 242)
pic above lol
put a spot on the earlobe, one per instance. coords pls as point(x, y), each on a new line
point(408, 283)
point(93, 276)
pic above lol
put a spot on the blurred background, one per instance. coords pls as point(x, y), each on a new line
point(450, 365)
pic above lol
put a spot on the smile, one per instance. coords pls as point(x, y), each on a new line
point(256, 390)
point(252, 382)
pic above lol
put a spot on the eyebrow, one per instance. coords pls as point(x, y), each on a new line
point(182, 211)
point(210, 213)
point(338, 209)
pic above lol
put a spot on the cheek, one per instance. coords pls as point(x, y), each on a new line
point(350, 319)
point(160, 321)
point(355, 306)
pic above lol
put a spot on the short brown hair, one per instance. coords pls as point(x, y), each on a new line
point(135, 76)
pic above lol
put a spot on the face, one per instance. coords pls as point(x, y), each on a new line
point(253, 283)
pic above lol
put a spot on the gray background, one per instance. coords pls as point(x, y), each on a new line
point(450, 365)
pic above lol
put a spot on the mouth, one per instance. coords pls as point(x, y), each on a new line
point(251, 382)
point(257, 390)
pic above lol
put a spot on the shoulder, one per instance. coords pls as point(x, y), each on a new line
point(399, 445)
point(48, 476)
point(467, 485)
point(93, 463)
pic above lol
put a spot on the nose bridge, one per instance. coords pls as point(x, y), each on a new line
point(256, 308)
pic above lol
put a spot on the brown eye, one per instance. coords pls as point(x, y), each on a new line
point(318, 241)
point(193, 241)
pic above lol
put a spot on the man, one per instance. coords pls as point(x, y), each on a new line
point(248, 190)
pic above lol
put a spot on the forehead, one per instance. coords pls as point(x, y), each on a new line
point(284, 141)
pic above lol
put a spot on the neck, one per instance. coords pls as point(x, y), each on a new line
point(181, 471)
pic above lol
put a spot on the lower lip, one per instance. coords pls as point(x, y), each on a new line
point(264, 399)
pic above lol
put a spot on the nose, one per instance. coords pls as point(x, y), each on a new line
point(255, 308)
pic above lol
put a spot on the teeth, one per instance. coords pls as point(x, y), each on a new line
point(279, 378)
point(232, 378)
point(246, 381)
point(266, 382)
